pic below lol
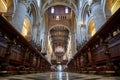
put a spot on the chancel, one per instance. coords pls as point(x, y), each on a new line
point(59, 39)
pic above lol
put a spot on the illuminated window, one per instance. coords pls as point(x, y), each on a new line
point(52, 10)
point(26, 29)
point(115, 7)
point(93, 31)
point(66, 10)
point(57, 17)
point(3, 6)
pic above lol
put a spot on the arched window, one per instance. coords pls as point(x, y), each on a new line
point(26, 32)
point(91, 28)
point(115, 6)
point(3, 6)
point(66, 10)
point(52, 10)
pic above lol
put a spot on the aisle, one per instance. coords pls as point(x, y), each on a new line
point(58, 76)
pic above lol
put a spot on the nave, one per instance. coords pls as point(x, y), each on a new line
point(77, 36)
point(60, 76)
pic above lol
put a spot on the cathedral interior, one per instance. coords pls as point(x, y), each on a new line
point(61, 39)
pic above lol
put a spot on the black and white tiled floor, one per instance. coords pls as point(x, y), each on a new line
point(58, 76)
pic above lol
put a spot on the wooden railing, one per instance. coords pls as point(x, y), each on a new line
point(101, 54)
point(17, 55)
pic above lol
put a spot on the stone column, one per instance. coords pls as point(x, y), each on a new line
point(98, 15)
point(19, 15)
point(37, 33)
point(34, 34)
point(45, 42)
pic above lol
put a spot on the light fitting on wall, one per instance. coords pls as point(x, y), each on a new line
point(52, 10)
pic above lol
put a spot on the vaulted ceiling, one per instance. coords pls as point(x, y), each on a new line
point(73, 4)
point(58, 16)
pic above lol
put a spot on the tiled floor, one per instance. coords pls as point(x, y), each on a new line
point(58, 76)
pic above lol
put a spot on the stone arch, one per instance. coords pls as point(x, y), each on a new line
point(46, 6)
point(84, 12)
point(11, 6)
point(84, 20)
point(34, 12)
point(59, 25)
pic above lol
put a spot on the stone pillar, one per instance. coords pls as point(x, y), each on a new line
point(45, 42)
point(83, 34)
point(98, 15)
point(19, 15)
point(34, 34)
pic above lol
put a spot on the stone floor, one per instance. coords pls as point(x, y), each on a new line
point(59, 76)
